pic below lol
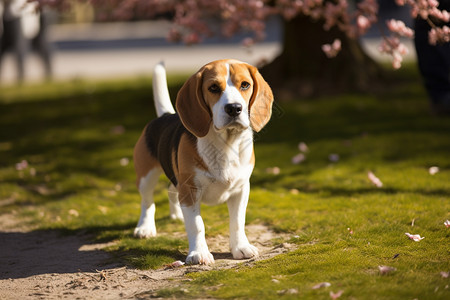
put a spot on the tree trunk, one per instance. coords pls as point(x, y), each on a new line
point(303, 69)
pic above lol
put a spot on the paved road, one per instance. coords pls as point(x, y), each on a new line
point(132, 49)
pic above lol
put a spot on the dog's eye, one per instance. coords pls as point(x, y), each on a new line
point(245, 85)
point(215, 89)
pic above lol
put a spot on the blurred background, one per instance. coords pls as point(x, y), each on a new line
point(82, 43)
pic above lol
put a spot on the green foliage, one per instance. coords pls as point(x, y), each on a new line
point(77, 138)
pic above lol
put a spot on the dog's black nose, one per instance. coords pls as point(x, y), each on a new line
point(233, 110)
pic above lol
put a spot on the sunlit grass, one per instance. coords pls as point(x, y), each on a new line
point(77, 138)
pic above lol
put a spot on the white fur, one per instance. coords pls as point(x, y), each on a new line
point(195, 229)
point(228, 156)
point(146, 225)
point(175, 209)
point(161, 92)
point(239, 245)
point(230, 95)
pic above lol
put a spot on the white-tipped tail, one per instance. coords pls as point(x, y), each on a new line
point(161, 95)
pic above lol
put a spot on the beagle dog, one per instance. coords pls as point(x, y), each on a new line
point(205, 149)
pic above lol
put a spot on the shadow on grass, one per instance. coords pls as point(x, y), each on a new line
point(39, 252)
point(60, 251)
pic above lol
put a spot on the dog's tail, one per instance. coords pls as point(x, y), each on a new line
point(161, 92)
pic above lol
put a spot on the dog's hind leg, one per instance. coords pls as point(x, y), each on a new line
point(175, 209)
point(146, 225)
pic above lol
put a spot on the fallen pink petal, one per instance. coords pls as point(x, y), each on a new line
point(274, 170)
point(386, 269)
point(303, 147)
point(447, 223)
point(175, 264)
point(288, 292)
point(22, 165)
point(433, 170)
point(334, 157)
point(374, 179)
point(336, 295)
point(124, 162)
point(445, 274)
point(321, 285)
point(298, 158)
point(414, 237)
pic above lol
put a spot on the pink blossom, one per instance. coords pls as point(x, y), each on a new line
point(439, 35)
point(402, 49)
point(400, 28)
point(447, 224)
point(392, 46)
point(363, 22)
point(333, 49)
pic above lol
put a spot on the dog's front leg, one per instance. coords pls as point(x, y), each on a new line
point(198, 249)
point(239, 244)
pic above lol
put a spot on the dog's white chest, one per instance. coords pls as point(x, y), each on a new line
point(229, 169)
point(218, 189)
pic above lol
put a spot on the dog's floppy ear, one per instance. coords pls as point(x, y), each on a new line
point(191, 106)
point(261, 101)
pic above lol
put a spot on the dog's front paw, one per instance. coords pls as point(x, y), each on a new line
point(200, 258)
point(143, 232)
point(244, 251)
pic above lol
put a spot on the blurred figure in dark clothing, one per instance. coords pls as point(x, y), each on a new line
point(22, 27)
point(434, 63)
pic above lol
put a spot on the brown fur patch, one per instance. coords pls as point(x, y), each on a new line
point(143, 161)
point(188, 162)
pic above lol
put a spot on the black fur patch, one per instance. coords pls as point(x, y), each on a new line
point(162, 137)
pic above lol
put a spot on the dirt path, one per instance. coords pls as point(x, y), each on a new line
point(46, 265)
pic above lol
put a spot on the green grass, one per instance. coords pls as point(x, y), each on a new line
point(75, 182)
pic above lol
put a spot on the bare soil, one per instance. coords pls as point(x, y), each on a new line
point(37, 264)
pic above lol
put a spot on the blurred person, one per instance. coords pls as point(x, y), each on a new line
point(23, 26)
point(434, 63)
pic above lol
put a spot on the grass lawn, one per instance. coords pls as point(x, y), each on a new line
point(75, 142)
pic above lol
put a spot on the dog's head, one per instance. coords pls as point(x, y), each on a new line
point(225, 94)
